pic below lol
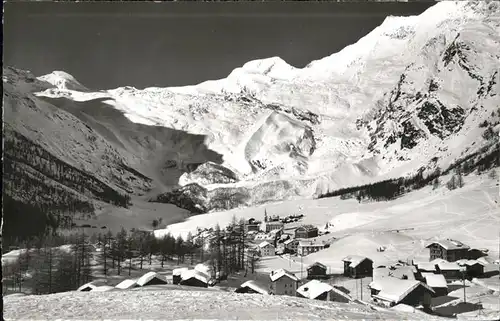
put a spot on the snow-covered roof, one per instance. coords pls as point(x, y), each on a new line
point(317, 264)
point(276, 275)
point(307, 228)
point(426, 266)
point(203, 268)
point(178, 271)
point(448, 266)
point(394, 289)
point(468, 262)
point(449, 244)
point(303, 243)
point(148, 277)
point(438, 260)
point(290, 241)
point(257, 287)
point(354, 260)
point(126, 284)
point(102, 288)
point(399, 272)
point(435, 280)
point(313, 289)
point(186, 275)
point(87, 285)
point(92, 285)
point(264, 244)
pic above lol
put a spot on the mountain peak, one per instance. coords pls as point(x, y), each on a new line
point(63, 80)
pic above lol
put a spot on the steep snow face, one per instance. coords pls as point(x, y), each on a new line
point(63, 81)
point(412, 90)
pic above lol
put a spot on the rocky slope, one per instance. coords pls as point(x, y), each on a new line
point(412, 93)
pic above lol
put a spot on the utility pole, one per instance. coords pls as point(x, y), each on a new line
point(301, 266)
point(463, 279)
point(361, 289)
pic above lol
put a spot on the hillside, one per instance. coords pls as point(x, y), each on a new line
point(182, 305)
point(415, 93)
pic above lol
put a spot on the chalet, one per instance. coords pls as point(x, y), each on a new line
point(252, 287)
point(390, 291)
point(316, 290)
point(151, 278)
point(176, 275)
point(316, 271)
point(283, 282)
point(194, 278)
point(127, 284)
point(449, 250)
point(291, 245)
point(357, 266)
point(267, 249)
point(274, 225)
point(306, 231)
point(473, 268)
point(450, 270)
point(308, 247)
point(437, 282)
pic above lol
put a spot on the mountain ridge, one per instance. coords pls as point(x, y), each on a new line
point(412, 97)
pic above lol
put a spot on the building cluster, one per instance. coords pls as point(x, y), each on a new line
point(417, 283)
point(284, 282)
point(199, 276)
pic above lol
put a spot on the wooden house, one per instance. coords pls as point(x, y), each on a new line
point(473, 268)
point(195, 278)
point(308, 247)
point(176, 275)
point(449, 250)
point(316, 290)
point(267, 249)
point(306, 231)
point(316, 271)
point(437, 282)
point(291, 246)
point(357, 266)
point(151, 278)
point(391, 291)
point(283, 282)
point(450, 270)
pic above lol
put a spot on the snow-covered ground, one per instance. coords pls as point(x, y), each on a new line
point(404, 226)
point(289, 124)
point(182, 305)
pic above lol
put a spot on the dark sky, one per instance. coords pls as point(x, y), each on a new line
point(107, 45)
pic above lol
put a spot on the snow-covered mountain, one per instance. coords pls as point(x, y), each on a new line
point(410, 94)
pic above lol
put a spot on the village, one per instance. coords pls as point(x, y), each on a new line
point(436, 286)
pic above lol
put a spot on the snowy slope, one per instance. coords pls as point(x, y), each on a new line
point(187, 305)
point(404, 226)
point(413, 89)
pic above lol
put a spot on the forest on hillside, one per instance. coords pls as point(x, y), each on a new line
point(486, 159)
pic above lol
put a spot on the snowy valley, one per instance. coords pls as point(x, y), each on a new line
point(385, 147)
